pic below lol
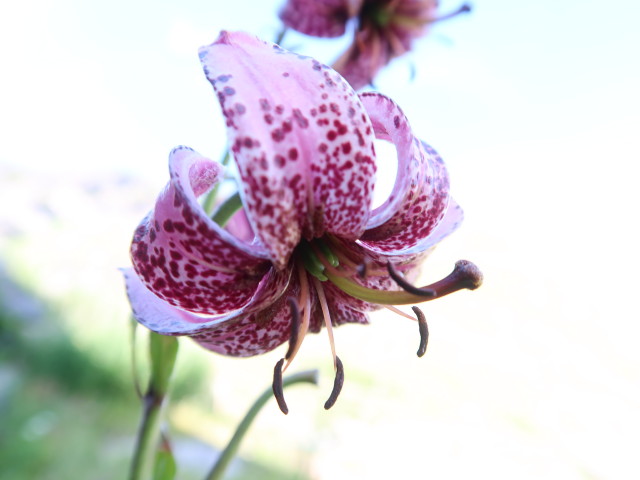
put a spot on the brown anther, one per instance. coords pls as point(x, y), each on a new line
point(278, 389)
point(465, 275)
point(295, 327)
point(337, 385)
point(397, 277)
point(424, 331)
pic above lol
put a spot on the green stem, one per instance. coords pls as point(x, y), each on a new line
point(148, 437)
point(280, 37)
point(230, 206)
point(163, 351)
point(216, 473)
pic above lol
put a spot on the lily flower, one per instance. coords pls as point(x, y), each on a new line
point(302, 247)
point(385, 29)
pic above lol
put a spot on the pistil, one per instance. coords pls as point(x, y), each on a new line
point(464, 276)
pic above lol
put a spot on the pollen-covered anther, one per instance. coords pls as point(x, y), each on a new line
point(337, 385)
point(406, 286)
point(278, 388)
point(295, 327)
point(424, 331)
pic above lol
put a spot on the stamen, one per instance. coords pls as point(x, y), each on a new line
point(462, 9)
point(337, 363)
point(337, 385)
point(424, 331)
point(399, 312)
point(406, 286)
point(305, 302)
point(327, 316)
point(295, 327)
point(278, 389)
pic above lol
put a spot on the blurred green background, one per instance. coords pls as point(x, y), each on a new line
point(534, 106)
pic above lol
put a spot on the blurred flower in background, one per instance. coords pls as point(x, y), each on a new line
point(385, 29)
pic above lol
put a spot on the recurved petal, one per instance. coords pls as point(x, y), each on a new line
point(326, 18)
point(162, 317)
point(252, 334)
point(187, 259)
point(420, 196)
point(301, 138)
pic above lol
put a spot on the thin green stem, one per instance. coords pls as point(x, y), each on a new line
point(281, 35)
point(227, 209)
point(163, 351)
point(148, 437)
point(216, 473)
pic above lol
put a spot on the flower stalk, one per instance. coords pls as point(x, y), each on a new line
point(163, 351)
point(217, 472)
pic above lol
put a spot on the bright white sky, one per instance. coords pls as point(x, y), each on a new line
point(534, 106)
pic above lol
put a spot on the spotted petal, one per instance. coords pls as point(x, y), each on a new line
point(185, 258)
point(420, 197)
point(301, 138)
point(161, 317)
point(252, 334)
point(327, 18)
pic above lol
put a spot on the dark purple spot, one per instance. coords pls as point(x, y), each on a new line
point(277, 135)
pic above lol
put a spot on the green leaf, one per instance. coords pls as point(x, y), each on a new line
point(165, 466)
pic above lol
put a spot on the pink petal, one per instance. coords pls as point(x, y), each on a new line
point(253, 334)
point(301, 138)
point(160, 316)
point(239, 226)
point(186, 259)
point(326, 18)
point(420, 196)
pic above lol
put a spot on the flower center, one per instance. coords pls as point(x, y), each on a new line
point(329, 259)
